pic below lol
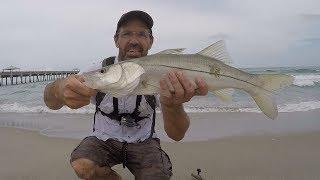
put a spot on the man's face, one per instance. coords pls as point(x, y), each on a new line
point(133, 40)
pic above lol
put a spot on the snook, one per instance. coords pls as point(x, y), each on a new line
point(142, 75)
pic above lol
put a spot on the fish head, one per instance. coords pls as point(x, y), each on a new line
point(104, 77)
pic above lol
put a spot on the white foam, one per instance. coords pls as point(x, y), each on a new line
point(306, 80)
point(292, 107)
point(302, 106)
point(18, 108)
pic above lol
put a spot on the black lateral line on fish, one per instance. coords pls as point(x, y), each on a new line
point(209, 73)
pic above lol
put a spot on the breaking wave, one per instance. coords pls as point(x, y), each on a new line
point(19, 108)
point(306, 80)
point(292, 107)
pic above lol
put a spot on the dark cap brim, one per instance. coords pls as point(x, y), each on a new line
point(136, 14)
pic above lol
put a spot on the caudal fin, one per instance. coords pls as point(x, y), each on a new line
point(270, 83)
point(266, 103)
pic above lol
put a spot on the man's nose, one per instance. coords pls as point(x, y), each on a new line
point(134, 40)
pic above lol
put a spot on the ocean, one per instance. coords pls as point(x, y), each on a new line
point(303, 95)
point(22, 106)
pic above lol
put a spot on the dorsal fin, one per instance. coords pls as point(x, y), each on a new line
point(218, 51)
point(172, 51)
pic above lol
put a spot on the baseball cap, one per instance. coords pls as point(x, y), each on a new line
point(136, 14)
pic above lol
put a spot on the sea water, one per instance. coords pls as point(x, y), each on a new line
point(22, 106)
point(302, 95)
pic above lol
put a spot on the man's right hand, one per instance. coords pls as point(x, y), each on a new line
point(68, 91)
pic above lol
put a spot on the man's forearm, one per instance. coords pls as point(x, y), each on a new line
point(176, 121)
point(50, 97)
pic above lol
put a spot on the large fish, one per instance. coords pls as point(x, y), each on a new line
point(142, 75)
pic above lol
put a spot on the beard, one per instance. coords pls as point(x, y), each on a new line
point(133, 51)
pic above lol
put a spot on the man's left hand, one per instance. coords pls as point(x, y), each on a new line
point(176, 88)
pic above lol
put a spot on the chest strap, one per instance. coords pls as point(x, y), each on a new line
point(115, 115)
point(151, 100)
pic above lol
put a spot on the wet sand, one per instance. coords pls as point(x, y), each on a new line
point(269, 153)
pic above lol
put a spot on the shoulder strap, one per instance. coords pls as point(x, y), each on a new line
point(136, 109)
point(108, 61)
point(151, 99)
point(99, 97)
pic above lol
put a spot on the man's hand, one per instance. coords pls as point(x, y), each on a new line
point(176, 88)
point(69, 91)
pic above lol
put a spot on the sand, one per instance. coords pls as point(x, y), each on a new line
point(291, 154)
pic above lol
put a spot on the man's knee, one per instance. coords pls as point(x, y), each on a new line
point(87, 169)
point(84, 168)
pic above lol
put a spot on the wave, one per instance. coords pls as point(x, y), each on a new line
point(19, 108)
point(306, 70)
point(292, 107)
point(306, 80)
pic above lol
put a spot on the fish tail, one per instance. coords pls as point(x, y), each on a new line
point(263, 97)
point(272, 82)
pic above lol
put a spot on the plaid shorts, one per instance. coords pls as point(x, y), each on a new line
point(145, 160)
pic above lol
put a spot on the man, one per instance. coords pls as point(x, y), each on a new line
point(113, 142)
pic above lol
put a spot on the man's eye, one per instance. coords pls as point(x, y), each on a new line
point(142, 34)
point(125, 34)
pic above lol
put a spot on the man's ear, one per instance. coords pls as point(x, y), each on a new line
point(115, 38)
point(151, 42)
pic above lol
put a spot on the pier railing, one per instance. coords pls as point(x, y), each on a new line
point(21, 77)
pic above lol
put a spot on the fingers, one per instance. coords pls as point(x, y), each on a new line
point(76, 85)
point(178, 88)
point(202, 86)
point(73, 93)
point(189, 88)
point(164, 89)
point(75, 104)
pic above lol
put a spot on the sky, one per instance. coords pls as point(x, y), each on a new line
point(62, 35)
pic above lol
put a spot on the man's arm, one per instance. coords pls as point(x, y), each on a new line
point(69, 91)
point(175, 89)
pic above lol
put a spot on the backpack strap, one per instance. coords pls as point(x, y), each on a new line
point(151, 100)
point(99, 97)
point(108, 61)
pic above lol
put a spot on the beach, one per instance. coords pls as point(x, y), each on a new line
point(237, 145)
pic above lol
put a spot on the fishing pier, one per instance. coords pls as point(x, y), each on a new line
point(13, 75)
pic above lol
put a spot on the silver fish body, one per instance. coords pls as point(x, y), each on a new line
point(142, 76)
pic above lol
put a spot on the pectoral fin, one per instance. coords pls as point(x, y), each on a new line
point(224, 94)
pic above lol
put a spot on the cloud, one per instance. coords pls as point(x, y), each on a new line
point(68, 34)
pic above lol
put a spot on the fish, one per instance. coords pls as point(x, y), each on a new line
point(141, 76)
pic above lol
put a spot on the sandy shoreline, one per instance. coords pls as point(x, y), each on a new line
point(28, 155)
point(223, 145)
point(203, 127)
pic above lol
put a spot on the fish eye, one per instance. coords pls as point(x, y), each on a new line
point(102, 70)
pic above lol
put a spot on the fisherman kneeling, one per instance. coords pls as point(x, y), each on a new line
point(123, 128)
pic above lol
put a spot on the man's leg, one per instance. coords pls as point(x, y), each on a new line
point(93, 159)
point(147, 161)
point(89, 170)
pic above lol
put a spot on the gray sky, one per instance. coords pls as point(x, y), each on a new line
point(59, 34)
